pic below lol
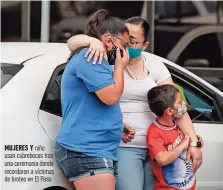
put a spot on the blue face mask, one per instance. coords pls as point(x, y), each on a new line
point(134, 52)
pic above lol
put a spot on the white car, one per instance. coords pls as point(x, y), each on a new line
point(31, 115)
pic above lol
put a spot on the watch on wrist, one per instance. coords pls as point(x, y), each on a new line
point(196, 144)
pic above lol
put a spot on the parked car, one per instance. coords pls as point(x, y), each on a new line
point(204, 43)
point(31, 109)
point(201, 47)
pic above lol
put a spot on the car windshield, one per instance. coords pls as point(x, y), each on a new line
point(8, 71)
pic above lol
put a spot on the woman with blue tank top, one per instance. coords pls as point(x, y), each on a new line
point(87, 142)
point(143, 72)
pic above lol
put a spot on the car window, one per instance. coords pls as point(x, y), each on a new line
point(188, 9)
point(52, 99)
point(200, 106)
point(210, 6)
point(162, 9)
point(205, 48)
point(220, 40)
point(8, 71)
point(174, 9)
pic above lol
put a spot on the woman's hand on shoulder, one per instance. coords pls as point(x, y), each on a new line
point(96, 50)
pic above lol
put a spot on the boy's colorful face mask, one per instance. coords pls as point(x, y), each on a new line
point(181, 111)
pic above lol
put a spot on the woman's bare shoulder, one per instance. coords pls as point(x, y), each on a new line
point(152, 61)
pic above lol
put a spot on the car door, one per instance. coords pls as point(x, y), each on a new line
point(205, 108)
point(50, 116)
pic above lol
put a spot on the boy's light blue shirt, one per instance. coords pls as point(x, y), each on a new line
point(88, 126)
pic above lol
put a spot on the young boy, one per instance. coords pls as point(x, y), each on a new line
point(166, 142)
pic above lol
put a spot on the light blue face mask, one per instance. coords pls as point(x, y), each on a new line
point(134, 52)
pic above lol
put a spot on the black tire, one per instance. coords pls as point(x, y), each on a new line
point(55, 188)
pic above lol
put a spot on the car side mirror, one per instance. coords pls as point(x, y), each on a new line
point(196, 63)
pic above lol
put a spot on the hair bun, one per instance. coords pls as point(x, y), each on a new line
point(102, 15)
point(95, 20)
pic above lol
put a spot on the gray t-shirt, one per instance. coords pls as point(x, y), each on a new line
point(133, 103)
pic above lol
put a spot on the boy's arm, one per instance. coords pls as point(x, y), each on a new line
point(166, 157)
point(156, 146)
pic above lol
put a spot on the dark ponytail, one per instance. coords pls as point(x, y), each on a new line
point(140, 22)
point(100, 23)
